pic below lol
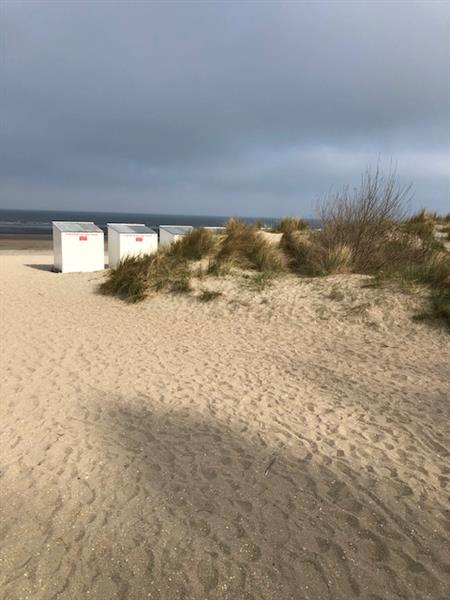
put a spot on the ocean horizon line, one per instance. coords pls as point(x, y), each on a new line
point(22, 221)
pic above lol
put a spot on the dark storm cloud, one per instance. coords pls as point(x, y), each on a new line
point(220, 107)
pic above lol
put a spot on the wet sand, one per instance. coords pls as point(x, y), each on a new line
point(12, 243)
point(275, 445)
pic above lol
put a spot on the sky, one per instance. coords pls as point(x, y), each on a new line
point(220, 107)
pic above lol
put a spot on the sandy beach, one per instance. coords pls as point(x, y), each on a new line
point(289, 444)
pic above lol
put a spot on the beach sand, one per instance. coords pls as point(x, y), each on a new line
point(284, 444)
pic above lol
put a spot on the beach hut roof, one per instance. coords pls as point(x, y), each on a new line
point(177, 229)
point(130, 228)
point(76, 227)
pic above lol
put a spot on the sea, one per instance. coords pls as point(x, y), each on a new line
point(35, 222)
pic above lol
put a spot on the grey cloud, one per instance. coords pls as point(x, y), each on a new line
point(250, 108)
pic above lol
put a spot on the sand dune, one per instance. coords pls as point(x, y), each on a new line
point(288, 444)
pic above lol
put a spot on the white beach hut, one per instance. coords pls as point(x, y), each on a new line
point(78, 247)
point(171, 233)
point(129, 239)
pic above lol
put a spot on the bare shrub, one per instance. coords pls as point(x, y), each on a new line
point(364, 219)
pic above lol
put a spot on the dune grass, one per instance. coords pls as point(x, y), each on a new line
point(313, 256)
point(289, 225)
point(137, 276)
point(365, 231)
point(194, 246)
point(209, 295)
point(245, 247)
point(170, 269)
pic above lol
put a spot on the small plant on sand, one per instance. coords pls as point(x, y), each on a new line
point(336, 294)
point(209, 295)
point(218, 268)
point(259, 281)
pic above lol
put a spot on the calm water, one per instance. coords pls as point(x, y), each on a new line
point(40, 221)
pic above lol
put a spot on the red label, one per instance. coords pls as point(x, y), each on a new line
point(139, 239)
point(83, 238)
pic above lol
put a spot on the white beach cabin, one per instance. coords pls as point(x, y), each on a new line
point(129, 239)
point(171, 233)
point(78, 247)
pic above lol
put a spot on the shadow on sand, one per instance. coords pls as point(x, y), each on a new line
point(175, 504)
point(214, 511)
point(40, 267)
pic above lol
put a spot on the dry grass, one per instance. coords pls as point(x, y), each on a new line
point(258, 281)
point(364, 231)
point(244, 247)
point(422, 216)
point(209, 295)
point(313, 257)
point(135, 277)
point(195, 245)
point(289, 225)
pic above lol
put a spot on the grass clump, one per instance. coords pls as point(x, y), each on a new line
point(166, 270)
point(218, 268)
point(195, 245)
point(136, 276)
point(209, 295)
point(336, 294)
point(129, 279)
point(289, 225)
point(259, 281)
point(313, 256)
point(433, 272)
point(424, 228)
point(246, 248)
point(422, 216)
